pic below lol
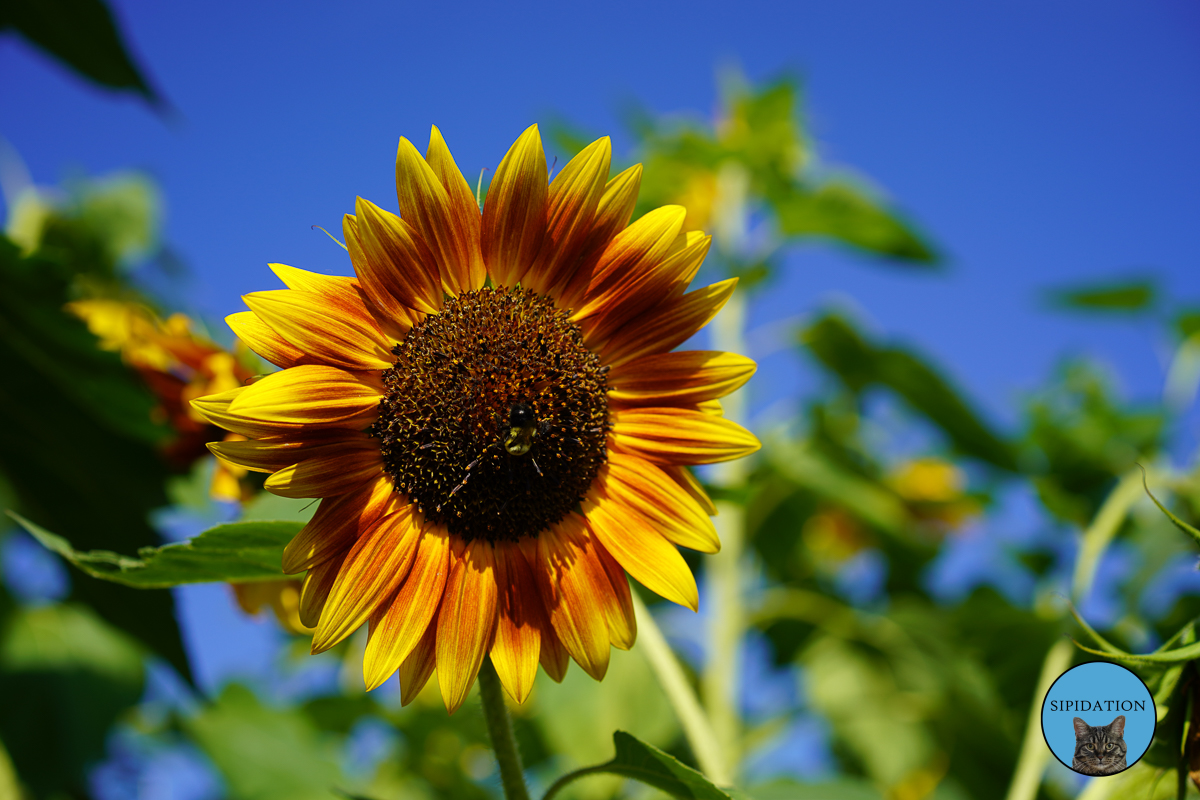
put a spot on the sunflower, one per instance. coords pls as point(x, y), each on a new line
point(493, 418)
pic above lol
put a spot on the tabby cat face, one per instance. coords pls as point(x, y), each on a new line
point(1100, 749)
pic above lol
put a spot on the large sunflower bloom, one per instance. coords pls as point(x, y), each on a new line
point(493, 418)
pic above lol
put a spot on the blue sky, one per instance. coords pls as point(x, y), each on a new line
point(1035, 144)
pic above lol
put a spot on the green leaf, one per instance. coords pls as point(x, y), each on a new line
point(65, 677)
point(845, 213)
point(860, 364)
point(81, 34)
point(1187, 323)
point(1123, 297)
point(647, 764)
point(232, 553)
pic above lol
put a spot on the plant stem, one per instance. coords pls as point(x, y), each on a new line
point(500, 731)
point(571, 777)
point(696, 727)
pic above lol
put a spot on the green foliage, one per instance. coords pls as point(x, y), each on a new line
point(647, 764)
point(81, 34)
point(1123, 297)
point(233, 553)
point(65, 676)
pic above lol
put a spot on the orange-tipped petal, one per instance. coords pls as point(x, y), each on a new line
point(345, 470)
point(464, 208)
point(668, 325)
point(630, 270)
point(314, 592)
point(467, 619)
point(340, 336)
point(309, 395)
point(398, 268)
point(373, 569)
point(276, 452)
point(425, 205)
point(683, 378)
point(340, 522)
point(514, 213)
point(570, 211)
point(575, 590)
point(519, 626)
point(679, 435)
point(645, 488)
point(684, 477)
point(632, 540)
point(397, 628)
point(262, 339)
point(416, 669)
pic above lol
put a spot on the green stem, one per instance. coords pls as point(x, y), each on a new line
point(570, 777)
point(696, 727)
point(500, 731)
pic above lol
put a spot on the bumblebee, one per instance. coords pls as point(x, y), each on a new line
point(523, 428)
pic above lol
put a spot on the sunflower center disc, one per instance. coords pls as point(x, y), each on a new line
point(495, 415)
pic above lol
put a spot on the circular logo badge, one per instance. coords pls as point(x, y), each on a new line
point(1098, 718)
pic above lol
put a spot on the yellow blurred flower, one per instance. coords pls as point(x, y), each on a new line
point(935, 491)
point(832, 537)
point(283, 597)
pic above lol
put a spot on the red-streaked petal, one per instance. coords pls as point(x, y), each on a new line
point(329, 475)
point(328, 334)
point(679, 435)
point(514, 213)
point(575, 590)
point(645, 488)
point(416, 669)
point(570, 212)
point(315, 590)
point(464, 208)
point(668, 325)
point(276, 452)
point(612, 215)
point(374, 568)
point(519, 626)
point(398, 268)
point(467, 619)
point(342, 292)
point(632, 540)
point(262, 339)
point(425, 204)
point(683, 378)
point(622, 624)
point(340, 522)
point(397, 628)
point(308, 395)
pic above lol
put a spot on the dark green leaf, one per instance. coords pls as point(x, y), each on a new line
point(647, 764)
point(1187, 323)
point(233, 553)
point(81, 34)
point(1126, 296)
point(860, 363)
point(846, 214)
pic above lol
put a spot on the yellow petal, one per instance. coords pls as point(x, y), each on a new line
point(632, 540)
point(682, 378)
point(687, 481)
point(467, 619)
point(327, 333)
point(519, 626)
point(645, 488)
point(679, 436)
point(514, 213)
point(373, 569)
point(622, 624)
point(416, 669)
point(464, 208)
point(308, 395)
point(668, 325)
point(315, 590)
point(397, 267)
point(570, 211)
point(575, 590)
point(276, 452)
point(259, 337)
point(425, 204)
point(327, 475)
point(340, 522)
point(397, 628)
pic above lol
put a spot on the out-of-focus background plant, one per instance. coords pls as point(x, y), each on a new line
point(900, 578)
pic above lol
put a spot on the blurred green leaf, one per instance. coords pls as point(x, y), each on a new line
point(232, 553)
point(647, 764)
point(83, 35)
point(860, 364)
point(842, 789)
point(1183, 526)
point(1125, 297)
point(65, 677)
point(1187, 323)
point(265, 753)
point(845, 213)
point(78, 447)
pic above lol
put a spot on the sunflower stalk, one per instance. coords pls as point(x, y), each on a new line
point(500, 731)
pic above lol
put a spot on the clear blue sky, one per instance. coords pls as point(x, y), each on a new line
point(1036, 143)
